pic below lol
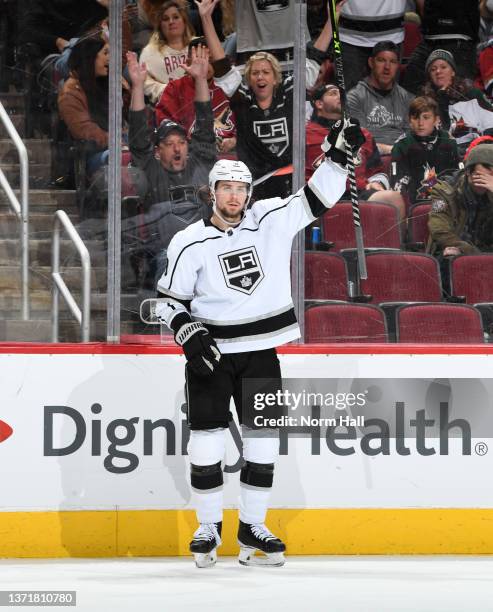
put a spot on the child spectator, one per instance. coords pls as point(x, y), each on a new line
point(424, 152)
point(167, 50)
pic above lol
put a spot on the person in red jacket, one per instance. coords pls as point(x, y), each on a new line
point(176, 103)
point(371, 180)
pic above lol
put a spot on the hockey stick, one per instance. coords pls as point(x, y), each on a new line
point(349, 151)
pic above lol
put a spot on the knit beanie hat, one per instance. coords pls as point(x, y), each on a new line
point(440, 54)
point(481, 154)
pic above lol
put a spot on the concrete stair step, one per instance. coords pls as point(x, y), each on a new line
point(39, 151)
point(40, 252)
point(19, 121)
point(40, 301)
point(39, 174)
point(40, 225)
point(41, 200)
point(14, 330)
point(40, 278)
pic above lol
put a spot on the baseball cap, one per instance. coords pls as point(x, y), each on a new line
point(320, 91)
point(166, 127)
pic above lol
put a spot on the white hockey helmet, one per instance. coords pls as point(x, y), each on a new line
point(230, 170)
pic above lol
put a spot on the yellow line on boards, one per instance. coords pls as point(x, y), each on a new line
point(141, 533)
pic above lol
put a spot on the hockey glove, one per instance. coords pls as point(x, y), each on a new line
point(199, 347)
point(344, 132)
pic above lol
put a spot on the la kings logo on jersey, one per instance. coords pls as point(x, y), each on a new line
point(274, 133)
point(242, 270)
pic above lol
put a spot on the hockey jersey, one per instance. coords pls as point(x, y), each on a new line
point(237, 282)
point(177, 103)
point(265, 136)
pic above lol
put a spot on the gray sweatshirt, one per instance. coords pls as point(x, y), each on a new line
point(384, 116)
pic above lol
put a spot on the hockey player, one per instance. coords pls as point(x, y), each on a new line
point(226, 294)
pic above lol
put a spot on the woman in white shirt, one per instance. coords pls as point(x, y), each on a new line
point(167, 50)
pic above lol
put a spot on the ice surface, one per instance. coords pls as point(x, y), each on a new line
point(307, 584)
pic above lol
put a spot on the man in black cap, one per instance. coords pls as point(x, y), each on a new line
point(178, 162)
point(174, 170)
point(371, 180)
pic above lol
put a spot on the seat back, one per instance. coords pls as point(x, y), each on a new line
point(471, 276)
point(338, 323)
point(439, 323)
point(402, 277)
point(380, 222)
point(326, 276)
point(418, 223)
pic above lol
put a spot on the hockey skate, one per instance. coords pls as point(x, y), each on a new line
point(253, 538)
point(205, 541)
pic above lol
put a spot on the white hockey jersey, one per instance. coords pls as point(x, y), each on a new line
point(237, 282)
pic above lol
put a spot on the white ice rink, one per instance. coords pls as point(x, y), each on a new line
point(306, 584)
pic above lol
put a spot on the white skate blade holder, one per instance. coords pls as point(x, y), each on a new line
point(247, 556)
point(203, 560)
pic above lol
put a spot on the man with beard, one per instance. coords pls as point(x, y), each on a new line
point(178, 162)
point(371, 181)
point(378, 102)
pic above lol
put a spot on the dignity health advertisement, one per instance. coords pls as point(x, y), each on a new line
point(89, 431)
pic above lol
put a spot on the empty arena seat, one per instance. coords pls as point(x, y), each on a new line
point(439, 323)
point(380, 222)
point(417, 225)
point(471, 277)
point(329, 323)
point(326, 276)
point(399, 276)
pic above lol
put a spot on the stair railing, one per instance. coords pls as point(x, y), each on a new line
point(21, 209)
point(83, 316)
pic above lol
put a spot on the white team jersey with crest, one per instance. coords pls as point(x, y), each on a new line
point(237, 281)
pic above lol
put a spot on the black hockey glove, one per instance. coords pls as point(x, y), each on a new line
point(344, 132)
point(199, 347)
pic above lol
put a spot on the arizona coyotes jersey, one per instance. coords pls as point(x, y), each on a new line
point(237, 282)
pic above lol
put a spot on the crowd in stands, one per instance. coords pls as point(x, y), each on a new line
point(212, 79)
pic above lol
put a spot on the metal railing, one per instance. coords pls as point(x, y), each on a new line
point(83, 316)
point(20, 209)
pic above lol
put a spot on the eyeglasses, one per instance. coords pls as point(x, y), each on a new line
point(241, 190)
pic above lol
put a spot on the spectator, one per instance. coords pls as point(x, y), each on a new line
point(144, 24)
point(486, 20)
point(461, 218)
point(179, 163)
point(363, 25)
point(176, 175)
point(485, 48)
point(50, 24)
point(83, 100)
point(423, 153)
point(265, 25)
point(451, 25)
point(371, 181)
point(464, 110)
point(263, 107)
point(176, 103)
point(378, 102)
point(167, 50)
